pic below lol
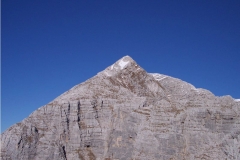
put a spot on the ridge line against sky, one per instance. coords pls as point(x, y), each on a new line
point(50, 46)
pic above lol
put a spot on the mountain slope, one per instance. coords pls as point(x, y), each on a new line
point(126, 113)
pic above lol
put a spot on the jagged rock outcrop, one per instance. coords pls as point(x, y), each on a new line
point(125, 113)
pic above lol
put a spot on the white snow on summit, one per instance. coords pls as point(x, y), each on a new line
point(238, 100)
point(122, 64)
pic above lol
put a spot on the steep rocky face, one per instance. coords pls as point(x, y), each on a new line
point(126, 113)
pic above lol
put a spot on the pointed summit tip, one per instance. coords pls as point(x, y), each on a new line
point(128, 58)
point(119, 65)
point(124, 62)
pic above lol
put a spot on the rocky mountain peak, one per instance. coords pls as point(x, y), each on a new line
point(126, 113)
point(125, 75)
point(123, 63)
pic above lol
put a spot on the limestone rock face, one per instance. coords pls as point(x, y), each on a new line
point(125, 113)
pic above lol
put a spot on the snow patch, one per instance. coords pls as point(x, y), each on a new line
point(159, 79)
point(112, 67)
point(122, 64)
point(237, 100)
point(196, 90)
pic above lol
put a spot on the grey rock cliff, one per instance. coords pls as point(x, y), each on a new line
point(125, 113)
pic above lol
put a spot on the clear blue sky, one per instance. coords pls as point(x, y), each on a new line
point(48, 46)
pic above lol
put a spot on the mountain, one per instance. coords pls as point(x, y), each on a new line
point(125, 113)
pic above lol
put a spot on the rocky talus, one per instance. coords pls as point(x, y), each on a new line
point(125, 113)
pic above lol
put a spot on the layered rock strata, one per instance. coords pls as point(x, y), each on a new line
point(125, 113)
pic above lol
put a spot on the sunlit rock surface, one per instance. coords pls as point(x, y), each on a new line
point(125, 113)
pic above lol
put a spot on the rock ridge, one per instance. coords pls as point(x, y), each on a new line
point(126, 113)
